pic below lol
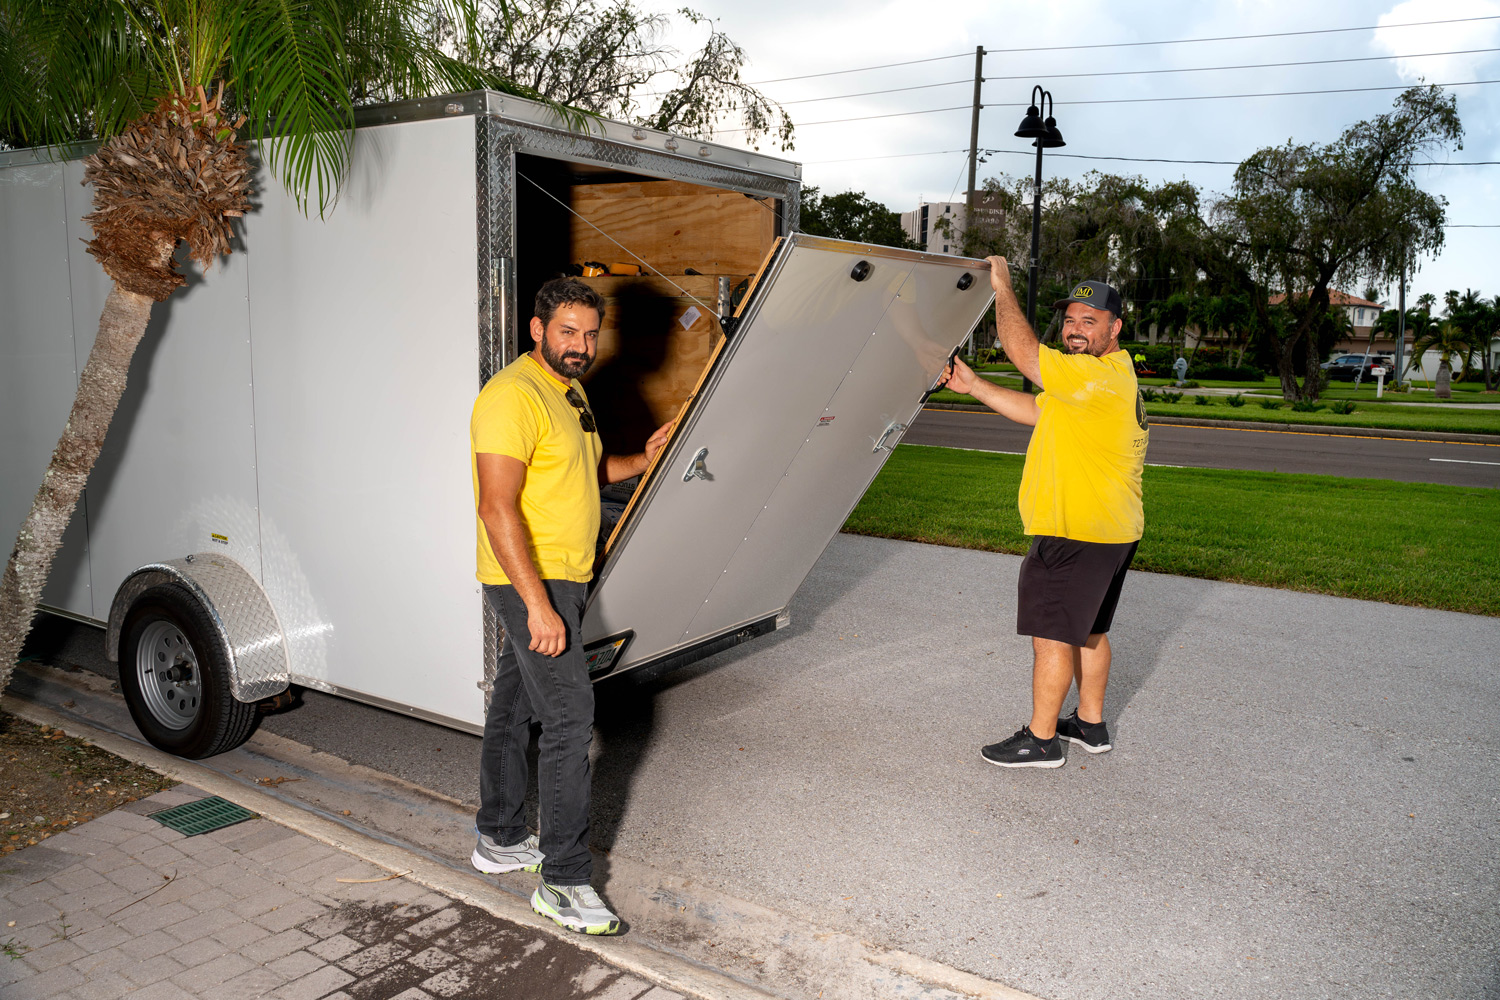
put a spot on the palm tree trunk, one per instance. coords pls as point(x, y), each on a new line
point(121, 326)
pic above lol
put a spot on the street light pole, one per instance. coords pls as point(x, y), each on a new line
point(1045, 135)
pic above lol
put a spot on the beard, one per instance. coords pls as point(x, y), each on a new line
point(569, 364)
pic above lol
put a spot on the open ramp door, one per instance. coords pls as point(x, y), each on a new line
point(835, 348)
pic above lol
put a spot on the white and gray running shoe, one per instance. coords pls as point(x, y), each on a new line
point(576, 907)
point(493, 859)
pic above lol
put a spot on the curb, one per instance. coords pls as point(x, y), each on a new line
point(878, 968)
point(1284, 428)
point(660, 968)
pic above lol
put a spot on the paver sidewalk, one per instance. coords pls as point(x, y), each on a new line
point(122, 906)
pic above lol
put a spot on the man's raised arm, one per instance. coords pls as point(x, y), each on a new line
point(1016, 336)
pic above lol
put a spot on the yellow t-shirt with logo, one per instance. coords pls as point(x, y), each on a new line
point(523, 412)
point(1083, 467)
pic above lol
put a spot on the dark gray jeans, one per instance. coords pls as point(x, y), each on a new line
point(555, 691)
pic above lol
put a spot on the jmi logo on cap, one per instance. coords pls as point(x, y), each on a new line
point(1083, 292)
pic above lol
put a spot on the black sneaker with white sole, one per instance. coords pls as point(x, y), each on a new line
point(1025, 750)
point(1092, 736)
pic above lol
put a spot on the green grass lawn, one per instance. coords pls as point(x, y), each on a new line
point(1410, 418)
point(1461, 394)
point(1321, 534)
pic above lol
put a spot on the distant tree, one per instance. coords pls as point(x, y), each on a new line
point(1140, 237)
point(1426, 301)
point(850, 215)
point(1449, 340)
point(600, 55)
point(1300, 217)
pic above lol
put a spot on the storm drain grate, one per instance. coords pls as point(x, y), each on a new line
point(203, 816)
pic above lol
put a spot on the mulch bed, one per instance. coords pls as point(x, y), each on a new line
point(50, 781)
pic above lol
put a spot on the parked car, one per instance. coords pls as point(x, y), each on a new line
point(1352, 366)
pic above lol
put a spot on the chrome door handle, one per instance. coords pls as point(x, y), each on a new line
point(698, 470)
point(892, 428)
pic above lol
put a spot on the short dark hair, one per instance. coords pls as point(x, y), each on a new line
point(561, 292)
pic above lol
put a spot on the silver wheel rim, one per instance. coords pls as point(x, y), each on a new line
point(169, 678)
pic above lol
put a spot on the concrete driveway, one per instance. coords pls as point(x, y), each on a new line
point(1302, 802)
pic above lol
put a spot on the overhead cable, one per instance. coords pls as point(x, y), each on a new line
point(1125, 100)
point(1120, 45)
point(1237, 38)
point(860, 69)
point(1214, 69)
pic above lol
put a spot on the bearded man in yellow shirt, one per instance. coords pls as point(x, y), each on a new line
point(1080, 501)
point(537, 463)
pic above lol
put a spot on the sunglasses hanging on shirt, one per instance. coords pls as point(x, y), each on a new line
point(585, 415)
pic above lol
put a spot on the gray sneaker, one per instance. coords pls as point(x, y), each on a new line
point(576, 907)
point(492, 859)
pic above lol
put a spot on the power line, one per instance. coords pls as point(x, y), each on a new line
point(1456, 225)
point(859, 69)
point(1121, 45)
point(1236, 38)
point(872, 93)
point(1214, 69)
point(1139, 72)
point(1126, 159)
point(1127, 100)
point(1228, 97)
point(866, 118)
point(890, 156)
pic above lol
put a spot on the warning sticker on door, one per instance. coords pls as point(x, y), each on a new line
point(690, 317)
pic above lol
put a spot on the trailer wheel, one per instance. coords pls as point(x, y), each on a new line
point(174, 673)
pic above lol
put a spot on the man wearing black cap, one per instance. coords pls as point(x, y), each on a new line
point(1080, 501)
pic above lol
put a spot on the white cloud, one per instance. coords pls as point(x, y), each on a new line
point(1439, 38)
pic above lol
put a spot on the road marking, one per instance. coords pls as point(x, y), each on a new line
point(987, 451)
point(1462, 461)
point(1267, 430)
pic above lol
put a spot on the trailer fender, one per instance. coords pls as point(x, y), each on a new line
point(248, 628)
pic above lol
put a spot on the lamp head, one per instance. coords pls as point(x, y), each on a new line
point(1051, 137)
point(1031, 126)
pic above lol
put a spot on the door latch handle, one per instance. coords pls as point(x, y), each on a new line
point(698, 470)
point(893, 428)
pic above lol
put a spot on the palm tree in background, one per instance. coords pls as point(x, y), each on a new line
point(1449, 340)
point(169, 88)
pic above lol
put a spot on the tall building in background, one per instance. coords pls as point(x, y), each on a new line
point(938, 226)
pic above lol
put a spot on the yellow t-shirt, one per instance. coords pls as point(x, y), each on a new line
point(523, 412)
point(1083, 466)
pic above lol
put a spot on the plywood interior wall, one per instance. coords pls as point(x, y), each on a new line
point(653, 344)
point(674, 226)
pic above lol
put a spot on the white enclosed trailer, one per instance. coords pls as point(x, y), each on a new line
point(284, 497)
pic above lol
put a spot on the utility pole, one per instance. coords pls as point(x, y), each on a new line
point(973, 167)
point(1401, 318)
point(973, 144)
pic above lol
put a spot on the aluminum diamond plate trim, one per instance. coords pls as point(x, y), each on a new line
point(249, 631)
point(494, 190)
point(581, 148)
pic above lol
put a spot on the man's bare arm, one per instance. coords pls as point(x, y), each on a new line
point(1016, 336)
point(1018, 406)
point(613, 468)
point(500, 479)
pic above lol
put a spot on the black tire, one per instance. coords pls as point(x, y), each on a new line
point(193, 712)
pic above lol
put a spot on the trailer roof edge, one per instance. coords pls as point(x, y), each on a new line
point(507, 107)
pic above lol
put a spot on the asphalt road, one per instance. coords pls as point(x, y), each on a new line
point(1406, 461)
point(1301, 802)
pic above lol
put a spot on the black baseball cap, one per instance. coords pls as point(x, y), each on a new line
point(1096, 294)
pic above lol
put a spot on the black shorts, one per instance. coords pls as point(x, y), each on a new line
point(1069, 589)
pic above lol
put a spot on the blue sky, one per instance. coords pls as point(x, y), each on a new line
point(787, 39)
